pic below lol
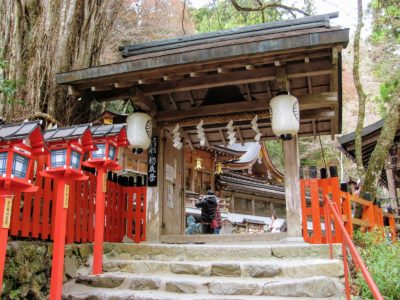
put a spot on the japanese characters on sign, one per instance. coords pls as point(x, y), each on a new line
point(152, 162)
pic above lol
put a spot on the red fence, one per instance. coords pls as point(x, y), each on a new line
point(313, 190)
point(125, 214)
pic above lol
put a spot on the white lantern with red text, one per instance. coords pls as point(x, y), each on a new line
point(139, 130)
point(285, 116)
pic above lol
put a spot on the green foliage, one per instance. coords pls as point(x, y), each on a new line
point(275, 152)
point(220, 15)
point(383, 261)
point(385, 37)
point(8, 88)
point(386, 23)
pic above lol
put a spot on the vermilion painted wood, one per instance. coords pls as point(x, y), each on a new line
point(69, 239)
point(26, 214)
point(99, 226)
point(15, 218)
point(137, 215)
point(335, 189)
point(303, 204)
point(3, 235)
point(53, 209)
point(129, 213)
point(121, 214)
point(84, 215)
point(316, 216)
point(47, 195)
point(92, 182)
point(37, 205)
point(346, 204)
point(143, 214)
point(59, 242)
point(107, 211)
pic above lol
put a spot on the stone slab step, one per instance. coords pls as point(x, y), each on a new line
point(223, 238)
point(74, 291)
point(218, 252)
point(295, 268)
point(318, 286)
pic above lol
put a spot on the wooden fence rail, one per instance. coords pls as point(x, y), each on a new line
point(312, 192)
point(125, 214)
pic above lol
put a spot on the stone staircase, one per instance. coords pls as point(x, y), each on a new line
point(277, 270)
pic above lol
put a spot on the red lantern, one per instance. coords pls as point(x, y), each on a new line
point(107, 139)
point(67, 147)
point(19, 143)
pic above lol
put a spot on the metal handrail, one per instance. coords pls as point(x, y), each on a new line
point(330, 207)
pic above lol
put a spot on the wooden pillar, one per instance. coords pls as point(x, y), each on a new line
point(292, 187)
point(392, 188)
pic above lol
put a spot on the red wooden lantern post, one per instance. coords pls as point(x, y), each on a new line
point(19, 143)
point(67, 146)
point(107, 140)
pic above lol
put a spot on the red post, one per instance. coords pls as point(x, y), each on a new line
point(99, 222)
point(61, 203)
point(5, 217)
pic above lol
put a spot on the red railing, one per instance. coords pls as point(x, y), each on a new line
point(330, 208)
point(125, 214)
point(312, 191)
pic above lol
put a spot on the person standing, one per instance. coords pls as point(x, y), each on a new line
point(218, 220)
point(208, 207)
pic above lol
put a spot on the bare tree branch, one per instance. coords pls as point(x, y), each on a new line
point(272, 4)
point(183, 17)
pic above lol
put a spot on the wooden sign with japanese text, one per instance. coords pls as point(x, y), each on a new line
point(152, 162)
point(7, 212)
point(66, 196)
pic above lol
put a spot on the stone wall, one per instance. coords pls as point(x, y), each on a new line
point(28, 267)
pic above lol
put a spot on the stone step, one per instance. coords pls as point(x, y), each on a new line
point(295, 268)
point(213, 252)
point(74, 291)
point(318, 286)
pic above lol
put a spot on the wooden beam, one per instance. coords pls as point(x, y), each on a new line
point(172, 100)
point(314, 129)
point(309, 85)
point(187, 138)
point(240, 136)
point(142, 101)
point(195, 74)
point(72, 91)
point(324, 100)
point(101, 88)
point(211, 80)
point(282, 79)
point(123, 85)
point(221, 133)
point(248, 92)
point(192, 102)
point(223, 70)
point(334, 56)
point(269, 93)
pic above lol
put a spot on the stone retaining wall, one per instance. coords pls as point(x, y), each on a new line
point(28, 267)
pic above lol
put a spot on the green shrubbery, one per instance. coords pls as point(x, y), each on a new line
point(383, 262)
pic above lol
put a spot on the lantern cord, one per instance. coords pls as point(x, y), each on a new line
point(322, 149)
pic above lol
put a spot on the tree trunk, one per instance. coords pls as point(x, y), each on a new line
point(383, 144)
point(360, 92)
point(41, 38)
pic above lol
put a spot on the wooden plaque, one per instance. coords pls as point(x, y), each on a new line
point(7, 212)
point(104, 182)
point(66, 196)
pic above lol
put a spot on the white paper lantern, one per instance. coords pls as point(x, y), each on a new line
point(285, 116)
point(139, 130)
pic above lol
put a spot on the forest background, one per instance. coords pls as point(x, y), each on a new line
point(41, 38)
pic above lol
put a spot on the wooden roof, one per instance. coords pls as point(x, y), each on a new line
point(227, 75)
point(370, 135)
